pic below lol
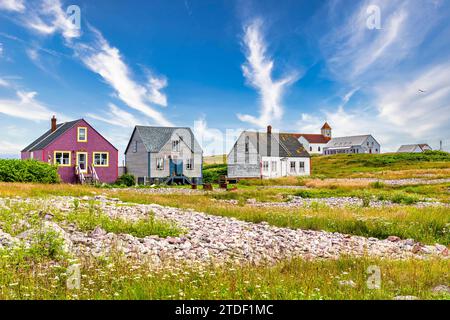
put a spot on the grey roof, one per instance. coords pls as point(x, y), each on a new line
point(277, 145)
point(154, 138)
point(49, 136)
point(412, 147)
point(347, 142)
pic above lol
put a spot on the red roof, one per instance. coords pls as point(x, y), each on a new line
point(312, 138)
point(326, 126)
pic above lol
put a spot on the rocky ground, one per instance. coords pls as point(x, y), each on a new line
point(341, 202)
point(219, 239)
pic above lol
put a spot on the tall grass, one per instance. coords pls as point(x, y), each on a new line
point(120, 278)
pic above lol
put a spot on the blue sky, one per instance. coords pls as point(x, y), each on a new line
point(223, 66)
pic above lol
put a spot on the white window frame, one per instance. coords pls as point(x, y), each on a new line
point(159, 163)
point(265, 166)
point(176, 145)
point(274, 166)
point(301, 166)
point(293, 169)
point(135, 146)
point(190, 164)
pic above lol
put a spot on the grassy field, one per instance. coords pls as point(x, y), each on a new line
point(383, 166)
point(428, 225)
point(429, 165)
point(39, 277)
point(219, 159)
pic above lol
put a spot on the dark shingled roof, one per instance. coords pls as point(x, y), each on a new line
point(154, 138)
point(48, 137)
point(281, 145)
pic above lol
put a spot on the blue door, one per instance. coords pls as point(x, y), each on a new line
point(176, 167)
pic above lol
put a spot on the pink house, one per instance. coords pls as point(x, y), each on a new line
point(80, 152)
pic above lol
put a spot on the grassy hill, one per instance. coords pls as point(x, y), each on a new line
point(219, 159)
point(359, 165)
point(434, 164)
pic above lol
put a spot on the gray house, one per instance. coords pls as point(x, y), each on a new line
point(164, 155)
point(421, 147)
point(353, 144)
point(267, 155)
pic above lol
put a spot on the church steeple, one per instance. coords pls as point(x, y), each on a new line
point(326, 130)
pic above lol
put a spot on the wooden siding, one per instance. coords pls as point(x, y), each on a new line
point(238, 167)
point(137, 162)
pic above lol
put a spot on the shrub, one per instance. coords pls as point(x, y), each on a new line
point(13, 170)
point(378, 185)
point(211, 173)
point(127, 180)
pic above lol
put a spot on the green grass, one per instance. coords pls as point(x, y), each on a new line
point(120, 278)
point(346, 165)
point(21, 217)
point(428, 225)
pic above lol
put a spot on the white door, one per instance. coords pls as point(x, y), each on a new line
point(283, 164)
point(82, 161)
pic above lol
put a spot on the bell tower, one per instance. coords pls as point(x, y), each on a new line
point(326, 130)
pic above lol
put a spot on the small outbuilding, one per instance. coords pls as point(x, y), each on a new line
point(420, 147)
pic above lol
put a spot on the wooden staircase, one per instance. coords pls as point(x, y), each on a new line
point(90, 177)
point(178, 179)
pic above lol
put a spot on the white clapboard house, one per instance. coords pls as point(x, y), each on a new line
point(353, 144)
point(267, 155)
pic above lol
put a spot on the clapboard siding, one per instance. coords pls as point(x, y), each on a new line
point(237, 165)
point(137, 162)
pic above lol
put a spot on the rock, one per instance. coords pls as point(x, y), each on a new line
point(172, 240)
point(442, 288)
point(98, 232)
point(405, 298)
point(393, 239)
point(416, 248)
point(347, 283)
point(6, 240)
point(29, 236)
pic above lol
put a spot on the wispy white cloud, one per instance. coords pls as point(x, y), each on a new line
point(1, 49)
point(105, 60)
point(258, 73)
point(4, 83)
point(155, 85)
point(118, 117)
point(49, 18)
point(378, 63)
point(355, 53)
point(421, 103)
point(99, 57)
point(12, 5)
point(25, 106)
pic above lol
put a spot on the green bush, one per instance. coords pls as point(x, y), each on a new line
point(126, 180)
point(13, 170)
point(212, 172)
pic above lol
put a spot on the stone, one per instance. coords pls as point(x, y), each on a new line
point(442, 288)
point(405, 298)
point(347, 283)
point(393, 239)
point(98, 232)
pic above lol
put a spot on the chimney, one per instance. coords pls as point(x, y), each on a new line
point(53, 127)
point(269, 129)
